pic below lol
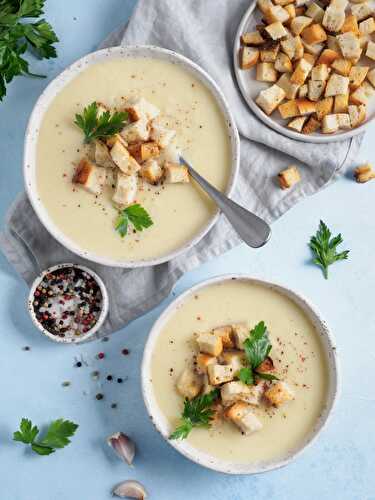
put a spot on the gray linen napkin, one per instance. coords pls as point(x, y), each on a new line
point(203, 31)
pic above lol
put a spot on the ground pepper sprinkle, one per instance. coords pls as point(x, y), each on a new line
point(67, 302)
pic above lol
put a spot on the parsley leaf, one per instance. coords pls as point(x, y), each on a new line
point(134, 214)
point(57, 436)
point(266, 376)
point(258, 345)
point(16, 37)
point(101, 126)
point(246, 376)
point(324, 248)
point(197, 413)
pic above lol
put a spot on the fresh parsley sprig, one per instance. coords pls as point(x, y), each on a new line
point(257, 348)
point(57, 435)
point(324, 248)
point(16, 37)
point(197, 413)
point(134, 214)
point(100, 126)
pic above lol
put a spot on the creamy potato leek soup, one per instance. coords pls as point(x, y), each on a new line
point(239, 371)
point(87, 181)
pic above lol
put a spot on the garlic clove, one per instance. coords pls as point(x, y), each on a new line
point(123, 446)
point(130, 489)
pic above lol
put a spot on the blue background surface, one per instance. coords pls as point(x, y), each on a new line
point(339, 465)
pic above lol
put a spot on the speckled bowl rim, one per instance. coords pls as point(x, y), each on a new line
point(319, 138)
point(160, 421)
point(42, 104)
point(102, 316)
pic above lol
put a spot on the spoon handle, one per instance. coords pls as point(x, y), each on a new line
point(253, 230)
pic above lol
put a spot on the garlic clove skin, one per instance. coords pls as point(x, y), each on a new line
point(123, 446)
point(130, 489)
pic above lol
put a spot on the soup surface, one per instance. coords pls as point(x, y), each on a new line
point(296, 351)
point(179, 211)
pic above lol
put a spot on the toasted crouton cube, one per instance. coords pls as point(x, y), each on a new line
point(266, 72)
point(225, 333)
point(333, 44)
point(248, 57)
point(367, 26)
point(189, 384)
point(361, 11)
point(291, 10)
point(364, 173)
point(306, 107)
point(371, 77)
point(283, 64)
point(279, 393)
point(151, 172)
point(253, 38)
point(316, 89)
point(207, 387)
point(209, 344)
point(364, 40)
point(315, 12)
point(362, 94)
point(176, 173)
point(242, 416)
point(144, 151)
point(111, 141)
point(320, 72)
point(171, 153)
point(288, 46)
point(125, 190)
point(120, 157)
point(313, 49)
point(310, 58)
point(303, 91)
point(327, 57)
point(219, 374)
point(288, 110)
point(283, 2)
point(340, 4)
point(100, 154)
point(314, 34)
point(203, 361)
point(299, 23)
point(232, 392)
point(349, 45)
point(140, 109)
point(301, 71)
point(89, 176)
point(342, 66)
point(289, 177)
point(269, 54)
point(264, 5)
point(136, 131)
point(357, 114)
point(370, 51)
point(324, 107)
point(298, 123)
point(337, 84)
point(161, 134)
point(330, 124)
point(240, 332)
point(270, 98)
point(350, 24)
point(276, 13)
point(341, 103)
point(343, 121)
point(311, 126)
point(233, 358)
point(334, 18)
point(276, 30)
point(357, 75)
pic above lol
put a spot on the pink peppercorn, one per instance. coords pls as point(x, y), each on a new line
point(101, 355)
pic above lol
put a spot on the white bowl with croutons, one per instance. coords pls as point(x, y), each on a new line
point(102, 149)
point(240, 375)
point(319, 88)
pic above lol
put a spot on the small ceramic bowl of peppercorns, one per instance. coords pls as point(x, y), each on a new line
point(68, 303)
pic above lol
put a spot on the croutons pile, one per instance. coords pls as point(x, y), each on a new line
point(310, 52)
point(142, 150)
point(218, 362)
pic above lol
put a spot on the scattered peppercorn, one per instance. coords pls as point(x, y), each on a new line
point(66, 383)
point(114, 405)
point(109, 378)
point(26, 348)
point(119, 380)
point(78, 364)
point(101, 355)
point(99, 396)
point(105, 339)
point(95, 375)
point(125, 352)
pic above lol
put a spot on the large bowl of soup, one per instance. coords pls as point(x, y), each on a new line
point(197, 347)
point(205, 133)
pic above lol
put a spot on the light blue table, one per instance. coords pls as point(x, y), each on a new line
point(340, 465)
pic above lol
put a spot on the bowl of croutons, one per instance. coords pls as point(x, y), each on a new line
point(307, 68)
point(240, 375)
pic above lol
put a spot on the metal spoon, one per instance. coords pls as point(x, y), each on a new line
point(253, 230)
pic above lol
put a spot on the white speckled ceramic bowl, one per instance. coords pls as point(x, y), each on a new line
point(185, 448)
point(101, 318)
point(59, 83)
point(250, 89)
